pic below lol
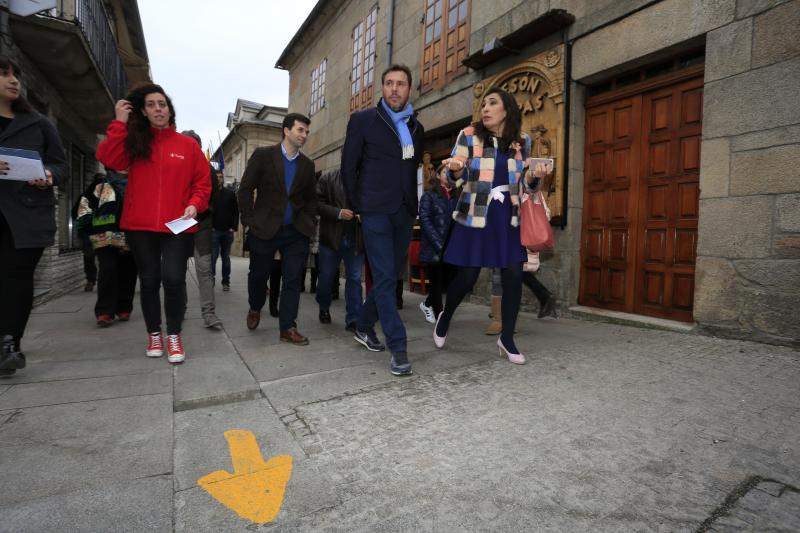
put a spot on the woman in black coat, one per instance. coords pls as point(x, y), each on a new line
point(436, 208)
point(27, 211)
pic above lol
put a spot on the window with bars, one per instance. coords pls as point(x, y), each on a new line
point(362, 74)
point(318, 86)
point(445, 41)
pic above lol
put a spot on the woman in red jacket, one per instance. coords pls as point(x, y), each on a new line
point(167, 179)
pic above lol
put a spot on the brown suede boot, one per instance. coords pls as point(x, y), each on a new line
point(496, 325)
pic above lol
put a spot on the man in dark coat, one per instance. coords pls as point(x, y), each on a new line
point(225, 223)
point(339, 240)
point(280, 218)
point(381, 153)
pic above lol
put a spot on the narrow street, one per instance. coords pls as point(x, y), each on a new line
point(607, 428)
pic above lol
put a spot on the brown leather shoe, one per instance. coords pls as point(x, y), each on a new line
point(293, 336)
point(253, 318)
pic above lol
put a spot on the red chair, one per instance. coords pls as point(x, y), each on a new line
point(417, 274)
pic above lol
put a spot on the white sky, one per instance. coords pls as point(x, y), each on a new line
point(206, 54)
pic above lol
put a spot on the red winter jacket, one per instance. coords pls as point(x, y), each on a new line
point(162, 187)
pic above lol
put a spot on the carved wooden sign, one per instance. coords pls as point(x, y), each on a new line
point(537, 84)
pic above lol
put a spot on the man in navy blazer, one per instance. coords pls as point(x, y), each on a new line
point(381, 153)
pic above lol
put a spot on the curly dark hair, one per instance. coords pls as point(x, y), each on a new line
point(20, 105)
point(140, 137)
point(512, 126)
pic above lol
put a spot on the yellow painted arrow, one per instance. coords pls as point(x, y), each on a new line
point(255, 489)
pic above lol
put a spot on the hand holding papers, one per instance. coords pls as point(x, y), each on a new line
point(180, 224)
point(21, 165)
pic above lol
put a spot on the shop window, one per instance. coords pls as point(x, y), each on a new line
point(445, 41)
point(318, 86)
point(362, 74)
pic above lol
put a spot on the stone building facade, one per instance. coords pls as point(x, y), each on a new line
point(251, 125)
point(77, 60)
point(674, 126)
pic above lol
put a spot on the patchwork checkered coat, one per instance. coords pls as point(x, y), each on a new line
point(476, 181)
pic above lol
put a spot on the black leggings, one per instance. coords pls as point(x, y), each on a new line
point(512, 295)
point(161, 259)
point(17, 266)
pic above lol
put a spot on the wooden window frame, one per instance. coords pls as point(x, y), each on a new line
point(318, 75)
point(364, 57)
point(441, 47)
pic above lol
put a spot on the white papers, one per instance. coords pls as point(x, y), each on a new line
point(179, 224)
point(24, 165)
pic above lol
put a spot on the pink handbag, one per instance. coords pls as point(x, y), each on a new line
point(535, 232)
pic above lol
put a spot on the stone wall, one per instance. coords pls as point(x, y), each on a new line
point(748, 265)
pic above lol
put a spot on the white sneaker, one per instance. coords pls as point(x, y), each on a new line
point(428, 312)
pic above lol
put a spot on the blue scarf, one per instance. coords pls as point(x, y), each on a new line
point(399, 119)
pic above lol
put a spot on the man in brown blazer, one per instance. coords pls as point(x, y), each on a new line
point(280, 218)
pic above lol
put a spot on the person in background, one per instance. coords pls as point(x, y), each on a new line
point(435, 215)
point(89, 259)
point(225, 222)
point(339, 240)
point(202, 249)
point(99, 214)
point(167, 180)
point(27, 211)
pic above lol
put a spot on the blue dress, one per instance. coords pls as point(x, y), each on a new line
point(496, 245)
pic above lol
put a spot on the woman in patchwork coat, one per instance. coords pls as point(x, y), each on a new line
point(490, 161)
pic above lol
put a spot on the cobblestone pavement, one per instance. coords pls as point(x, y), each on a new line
point(607, 428)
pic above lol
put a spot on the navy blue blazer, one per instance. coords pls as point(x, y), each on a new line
point(376, 177)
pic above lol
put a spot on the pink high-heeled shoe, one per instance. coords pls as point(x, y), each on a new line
point(437, 340)
point(516, 358)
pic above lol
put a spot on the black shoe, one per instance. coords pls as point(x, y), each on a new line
point(324, 317)
point(351, 327)
point(370, 340)
point(11, 358)
point(226, 287)
point(400, 365)
point(548, 308)
point(273, 311)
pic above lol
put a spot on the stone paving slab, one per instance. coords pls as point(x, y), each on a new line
point(125, 506)
point(60, 448)
point(204, 381)
point(200, 446)
point(118, 365)
point(83, 390)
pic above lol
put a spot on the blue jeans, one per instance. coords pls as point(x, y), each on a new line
point(329, 260)
point(386, 239)
point(221, 245)
point(293, 246)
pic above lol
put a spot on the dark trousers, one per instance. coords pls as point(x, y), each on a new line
point(89, 266)
point(329, 260)
point(293, 247)
point(386, 239)
point(161, 260)
point(275, 284)
point(221, 242)
point(17, 266)
point(462, 284)
point(439, 277)
point(539, 290)
point(116, 282)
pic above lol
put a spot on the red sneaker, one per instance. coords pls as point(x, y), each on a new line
point(123, 316)
point(155, 348)
point(175, 353)
point(104, 321)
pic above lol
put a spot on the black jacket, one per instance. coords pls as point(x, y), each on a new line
point(264, 173)
point(226, 210)
point(331, 200)
point(30, 211)
point(376, 177)
point(202, 239)
point(435, 216)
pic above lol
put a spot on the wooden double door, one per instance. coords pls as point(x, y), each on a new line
point(639, 228)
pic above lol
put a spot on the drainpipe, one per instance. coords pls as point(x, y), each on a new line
point(390, 34)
